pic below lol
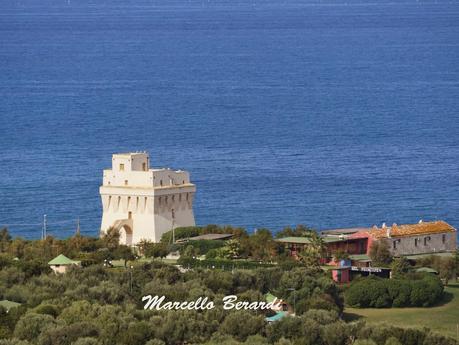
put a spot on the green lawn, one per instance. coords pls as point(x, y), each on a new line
point(443, 318)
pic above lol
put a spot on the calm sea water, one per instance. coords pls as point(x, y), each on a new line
point(330, 114)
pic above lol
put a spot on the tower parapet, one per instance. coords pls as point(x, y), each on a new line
point(143, 203)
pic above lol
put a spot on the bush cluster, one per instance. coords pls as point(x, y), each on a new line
point(416, 290)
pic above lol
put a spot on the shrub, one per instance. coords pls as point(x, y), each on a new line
point(364, 342)
point(203, 246)
point(305, 330)
point(47, 309)
point(392, 341)
point(242, 324)
point(31, 325)
point(14, 341)
point(419, 291)
point(437, 339)
point(399, 292)
point(380, 253)
point(156, 250)
point(86, 341)
point(66, 335)
point(335, 333)
point(400, 266)
point(370, 292)
point(155, 342)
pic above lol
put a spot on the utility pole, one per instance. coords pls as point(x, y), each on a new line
point(173, 227)
point(43, 234)
point(130, 279)
point(78, 227)
point(294, 299)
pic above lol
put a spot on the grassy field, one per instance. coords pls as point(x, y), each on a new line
point(443, 318)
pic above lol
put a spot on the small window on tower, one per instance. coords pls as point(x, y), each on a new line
point(125, 182)
point(443, 238)
point(121, 167)
point(144, 166)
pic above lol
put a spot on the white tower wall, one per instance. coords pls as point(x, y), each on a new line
point(144, 203)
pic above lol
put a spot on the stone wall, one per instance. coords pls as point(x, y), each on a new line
point(421, 244)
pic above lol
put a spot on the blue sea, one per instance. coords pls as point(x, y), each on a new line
point(324, 113)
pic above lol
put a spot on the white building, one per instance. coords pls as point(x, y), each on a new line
point(144, 203)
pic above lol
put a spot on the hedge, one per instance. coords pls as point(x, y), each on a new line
point(373, 292)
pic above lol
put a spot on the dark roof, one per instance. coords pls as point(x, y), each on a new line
point(210, 237)
point(344, 231)
point(307, 240)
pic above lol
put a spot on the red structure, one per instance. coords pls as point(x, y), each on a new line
point(341, 275)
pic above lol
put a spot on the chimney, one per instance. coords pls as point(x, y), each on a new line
point(383, 225)
point(388, 232)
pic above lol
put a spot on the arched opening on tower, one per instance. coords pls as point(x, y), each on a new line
point(126, 235)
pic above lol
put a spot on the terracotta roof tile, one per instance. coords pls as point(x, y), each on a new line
point(406, 230)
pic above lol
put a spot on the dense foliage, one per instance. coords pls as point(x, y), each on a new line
point(447, 267)
point(98, 304)
point(415, 290)
point(380, 253)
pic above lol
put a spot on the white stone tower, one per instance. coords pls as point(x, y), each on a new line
point(144, 203)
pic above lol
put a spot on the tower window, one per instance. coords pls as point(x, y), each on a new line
point(121, 167)
point(161, 183)
point(443, 238)
point(394, 244)
point(144, 166)
point(129, 215)
point(125, 182)
point(415, 242)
